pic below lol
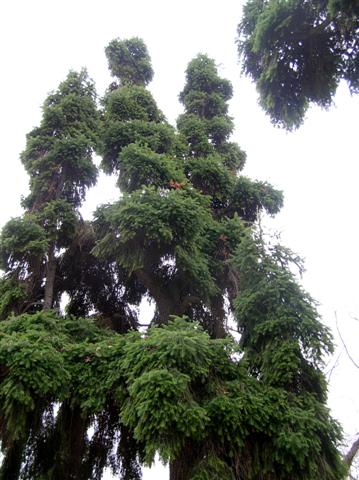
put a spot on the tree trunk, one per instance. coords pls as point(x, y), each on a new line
point(351, 454)
point(11, 466)
point(181, 467)
point(71, 431)
point(56, 189)
point(164, 302)
point(218, 315)
point(50, 277)
point(165, 309)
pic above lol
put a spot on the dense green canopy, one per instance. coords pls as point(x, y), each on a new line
point(89, 389)
point(297, 51)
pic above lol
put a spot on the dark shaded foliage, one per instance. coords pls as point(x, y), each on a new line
point(297, 52)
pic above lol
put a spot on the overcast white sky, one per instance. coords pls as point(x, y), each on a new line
point(316, 167)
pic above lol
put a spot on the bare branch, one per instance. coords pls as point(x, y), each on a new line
point(344, 344)
point(349, 457)
point(329, 374)
point(232, 329)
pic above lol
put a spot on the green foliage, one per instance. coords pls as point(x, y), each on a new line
point(210, 176)
point(98, 286)
point(281, 333)
point(59, 220)
point(65, 172)
point(205, 94)
point(96, 374)
point(249, 197)
point(132, 116)
point(171, 385)
point(132, 103)
point(194, 132)
point(162, 370)
point(233, 156)
point(205, 124)
point(219, 128)
point(181, 236)
point(159, 218)
point(204, 136)
point(11, 294)
point(212, 467)
point(32, 373)
point(58, 158)
point(163, 429)
point(213, 160)
point(143, 228)
point(158, 137)
point(296, 52)
point(345, 8)
point(22, 242)
point(140, 166)
point(58, 152)
point(129, 61)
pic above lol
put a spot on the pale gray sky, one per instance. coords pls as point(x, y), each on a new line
point(316, 167)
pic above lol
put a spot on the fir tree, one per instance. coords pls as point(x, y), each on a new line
point(58, 158)
point(182, 235)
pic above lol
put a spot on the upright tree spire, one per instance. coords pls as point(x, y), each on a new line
point(212, 165)
point(129, 61)
point(58, 158)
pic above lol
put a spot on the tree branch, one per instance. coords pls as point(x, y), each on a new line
point(346, 348)
point(187, 301)
point(349, 457)
point(336, 363)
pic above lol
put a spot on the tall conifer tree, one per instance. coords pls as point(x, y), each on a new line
point(183, 236)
